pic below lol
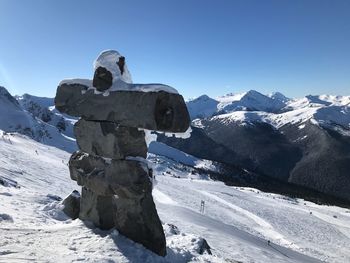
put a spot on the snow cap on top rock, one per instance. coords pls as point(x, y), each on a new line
point(114, 63)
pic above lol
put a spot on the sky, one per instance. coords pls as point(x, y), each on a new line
point(297, 47)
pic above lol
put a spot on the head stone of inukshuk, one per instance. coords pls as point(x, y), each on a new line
point(116, 186)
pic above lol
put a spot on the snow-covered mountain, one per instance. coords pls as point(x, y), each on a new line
point(252, 100)
point(249, 101)
point(43, 109)
point(36, 118)
point(202, 107)
point(12, 116)
point(275, 109)
point(304, 141)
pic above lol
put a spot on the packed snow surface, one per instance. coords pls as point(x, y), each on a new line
point(237, 222)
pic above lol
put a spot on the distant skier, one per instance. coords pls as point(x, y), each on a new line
point(202, 207)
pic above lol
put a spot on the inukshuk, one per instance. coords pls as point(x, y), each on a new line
point(110, 165)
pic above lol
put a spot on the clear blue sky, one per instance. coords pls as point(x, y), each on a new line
point(297, 47)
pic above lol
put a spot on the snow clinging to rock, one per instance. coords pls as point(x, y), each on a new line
point(112, 74)
point(112, 61)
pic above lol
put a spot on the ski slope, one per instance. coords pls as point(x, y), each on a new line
point(237, 222)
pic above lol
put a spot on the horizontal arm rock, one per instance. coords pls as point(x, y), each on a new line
point(161, 111)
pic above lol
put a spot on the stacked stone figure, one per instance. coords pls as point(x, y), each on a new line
point(110, 165)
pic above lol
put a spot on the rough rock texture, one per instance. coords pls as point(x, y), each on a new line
point(72, 205)
point(97, 209)
point(204, 247)
point(161, 111)
point(121, 64)
point(103, 79)
point(138, 220)
point(122, 186)
point(125, 178)
point(7, 182)
point(110, 140)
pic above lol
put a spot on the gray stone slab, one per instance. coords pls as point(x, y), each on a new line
point(103, 79)
point(72, 205)
point(138, 220)
point(123, 188)
point(160, 111)
point(110, 140)
point(125, 178)
point(97, 209)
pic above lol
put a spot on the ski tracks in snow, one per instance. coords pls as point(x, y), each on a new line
point(263, 227)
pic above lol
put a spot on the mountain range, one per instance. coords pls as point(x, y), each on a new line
point(304, 142)
point(268, 141)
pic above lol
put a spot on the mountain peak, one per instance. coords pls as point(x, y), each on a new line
point(255, 95)
point(279, 96)
point(202, 107)
point(202, 98)
point(6, 96)
point(254, 92)
point(251, 101)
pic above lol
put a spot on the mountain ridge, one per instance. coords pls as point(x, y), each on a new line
point(276, 143)
point(305, 142)
point(31, 116)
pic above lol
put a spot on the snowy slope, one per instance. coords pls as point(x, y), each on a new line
point(237, 222)
point(10, 111)
point(44, 109)
point(33, 227)
point(44, 102)
point(29, 115)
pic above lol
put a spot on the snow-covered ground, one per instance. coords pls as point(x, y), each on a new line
point(237, 222)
